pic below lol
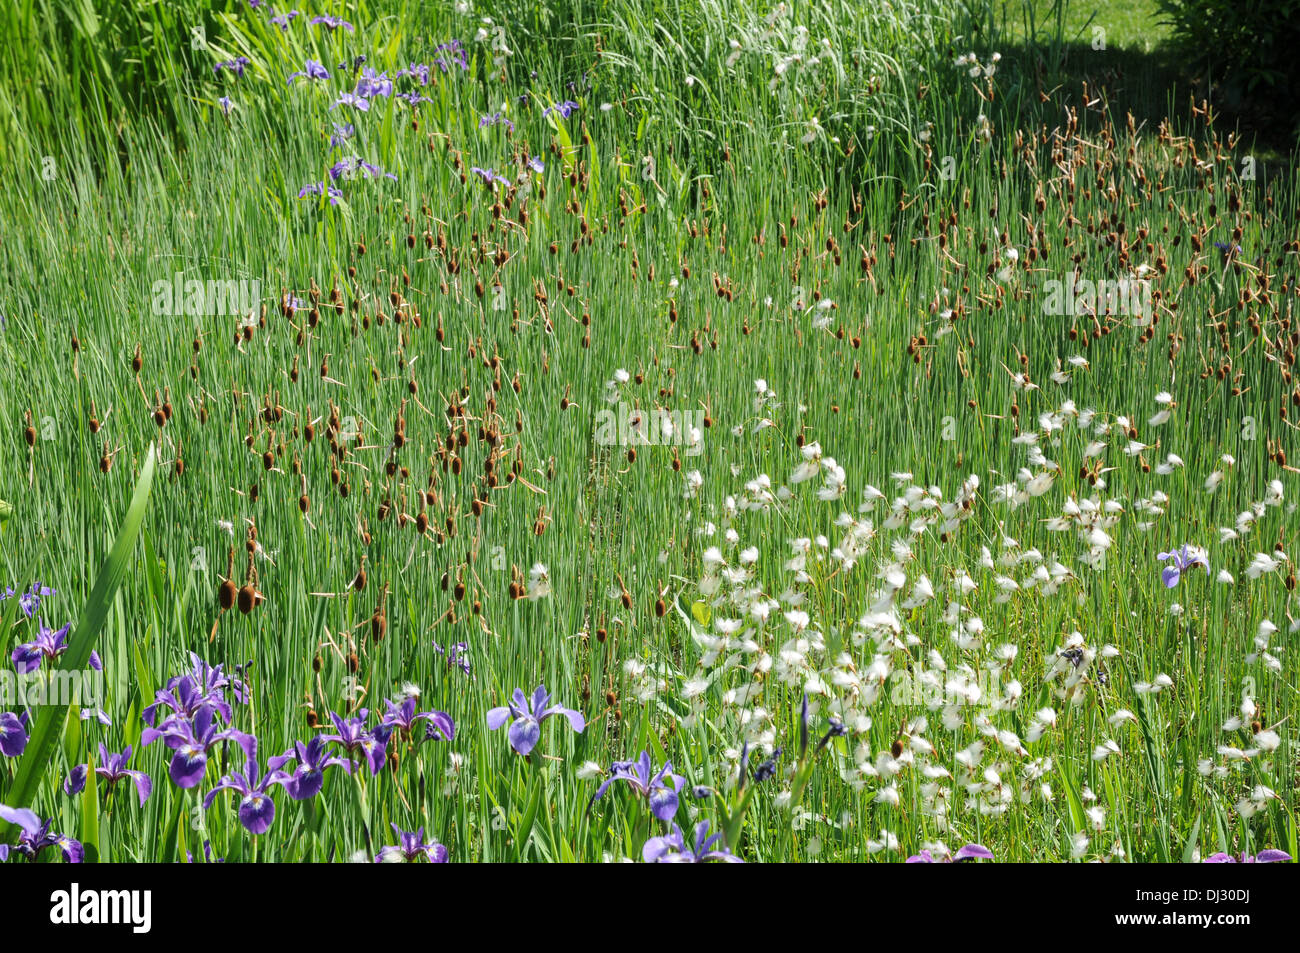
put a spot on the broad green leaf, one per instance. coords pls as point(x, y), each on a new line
point(1189, 849)
point(701, 612)
point(72, 737)
point(90, 814)
point(530, 816)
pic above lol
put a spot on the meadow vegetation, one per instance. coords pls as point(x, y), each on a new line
point(744, 375)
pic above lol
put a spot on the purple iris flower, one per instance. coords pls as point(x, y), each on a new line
point(293, 303)
point(191, 740)
point(1183, 560)
point(496, 119)
point(526, 719)
point(411, 847)
point(48, 644)
point(35, 836)
point(185, 696)
point(803, 727)
point(75, 782)
point(969, 852)
point(372, 83)
point(355, 738)
point(214, 677)
point(13, 734)
point(320, 188)
point(420, 71)
point(456, 53)
point(836, 729)
point(674, 849)
point(284, 19)
point(348, 166)
point(659, 788)
point(236, 66)
point(256, 809)
point(332, 23)
point(535, 163)
point(207, 854)
point(1263, 857)
point(565, 109)
point(767, 769)
point(211, 683)
point(457, 656)
point(404, 716)
point(351, 99)
point(413, 98)
point(112, 768)
point(29, 601)
point(489, 177)
point(342, 133)
point(225, 104)
point(98, 714)
point(313, 758)
point(312, 70)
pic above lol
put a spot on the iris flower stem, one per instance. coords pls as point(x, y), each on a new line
point(644, 826)
point(359, 792)
point(735, 821)
point(196, 799)
point(802, 776)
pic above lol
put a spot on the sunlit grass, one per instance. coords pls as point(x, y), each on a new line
point(865, 280)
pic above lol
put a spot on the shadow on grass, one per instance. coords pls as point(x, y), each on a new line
point(1150, 85)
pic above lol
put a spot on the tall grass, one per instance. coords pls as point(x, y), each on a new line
point(698, 272)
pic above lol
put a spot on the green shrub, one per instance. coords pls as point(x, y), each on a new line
point(1247, 47)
